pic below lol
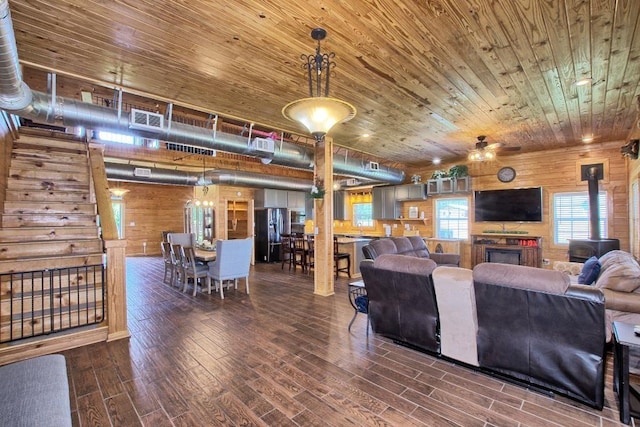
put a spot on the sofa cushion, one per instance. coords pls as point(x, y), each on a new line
point(35, 392)
point(590, 271)
point(412, 246)
point(519, 276)
point(619, 272)
point(405, 264)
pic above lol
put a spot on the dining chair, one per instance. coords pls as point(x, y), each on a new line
point(310, 254)
point(299, 251)
point(338, 256)
point(193, 270)
point(233, 259)
point(176, 258)
point(168, 262)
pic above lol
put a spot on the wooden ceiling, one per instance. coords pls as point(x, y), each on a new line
point(426, 76)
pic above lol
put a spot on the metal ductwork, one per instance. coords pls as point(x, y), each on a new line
point(17, 98)
point(125, 172)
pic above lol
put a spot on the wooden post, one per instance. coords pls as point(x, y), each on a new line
point(323, 246)
point(116, 289)
point(115, 249)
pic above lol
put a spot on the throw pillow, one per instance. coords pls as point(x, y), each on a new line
point(590, 271)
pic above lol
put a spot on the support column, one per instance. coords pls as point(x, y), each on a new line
point(323, 269)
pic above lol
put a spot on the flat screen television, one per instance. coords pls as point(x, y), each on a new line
point(512, 205)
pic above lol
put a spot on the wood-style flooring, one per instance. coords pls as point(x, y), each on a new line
point(282, 356)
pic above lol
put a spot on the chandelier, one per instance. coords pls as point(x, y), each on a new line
point(319, 113)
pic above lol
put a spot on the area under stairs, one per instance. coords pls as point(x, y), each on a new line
point(49, 222)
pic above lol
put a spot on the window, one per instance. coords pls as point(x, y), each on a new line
point(363, 214)
point(452, 218)
point(571, 216)
point(118, 214)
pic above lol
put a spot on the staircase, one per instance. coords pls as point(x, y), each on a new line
point(51, 253)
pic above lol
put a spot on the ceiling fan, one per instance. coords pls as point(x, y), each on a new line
point(485, 151)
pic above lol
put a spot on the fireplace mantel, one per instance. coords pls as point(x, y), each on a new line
point(521, 249)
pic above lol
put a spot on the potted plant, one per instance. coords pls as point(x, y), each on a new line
point(458, 171)
point(440, 173)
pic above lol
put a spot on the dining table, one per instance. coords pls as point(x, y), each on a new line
point(204, 255)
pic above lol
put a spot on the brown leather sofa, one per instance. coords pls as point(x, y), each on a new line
point(409, 245)
point(402, 303)
point(526, 324)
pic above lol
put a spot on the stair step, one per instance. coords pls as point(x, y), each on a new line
point(49, 166)
point(20, 265)
point(28, 234)
point(20, 207)
point(50, 145)
point(47, 196)
point(50, 176)
point(41, 249)
point(51, 220)
point(47, 184)
point(31, 155)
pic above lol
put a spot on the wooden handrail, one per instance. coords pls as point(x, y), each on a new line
point(101, 188)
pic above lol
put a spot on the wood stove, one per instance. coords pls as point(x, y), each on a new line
point(581, 250)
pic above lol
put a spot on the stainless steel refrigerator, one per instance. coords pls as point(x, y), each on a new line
point(269, 225)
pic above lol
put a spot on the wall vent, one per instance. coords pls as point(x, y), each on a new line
point(351, 182)
point(143, 172)
point(266, 145)
point(372, 166)
point(145, 120)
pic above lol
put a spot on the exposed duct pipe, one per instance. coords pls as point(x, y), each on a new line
point(124, 172)
point(17, 98)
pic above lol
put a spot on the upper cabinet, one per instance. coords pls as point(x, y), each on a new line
point(449, 185)
point(384, 203)
point(340, 210)
point(271, 198)
point(296, 200)
point(410, 192)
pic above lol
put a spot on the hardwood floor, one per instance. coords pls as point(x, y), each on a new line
point(283, 357)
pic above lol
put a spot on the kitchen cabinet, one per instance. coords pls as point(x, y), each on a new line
point(411, 192)
point(384, 203)
point(295, 200)
point(449, 185)
point(340, 210)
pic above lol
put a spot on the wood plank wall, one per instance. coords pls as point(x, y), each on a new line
point(149, 210)
point(553, 170)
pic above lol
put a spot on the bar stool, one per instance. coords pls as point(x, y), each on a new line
point(310, 253)
point(286, 249)
point(299, 251)
point(337, 256)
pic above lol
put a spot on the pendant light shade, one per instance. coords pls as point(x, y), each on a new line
point(319, 112)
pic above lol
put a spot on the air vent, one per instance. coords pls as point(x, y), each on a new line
point(266, 145)
point(143, 172)
point(372, 166)
point(351, 182)
point(145, 120)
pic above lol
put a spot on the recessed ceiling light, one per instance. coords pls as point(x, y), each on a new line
point(365, 135)
point(582, 82)
point(587, 139)
point(436, 161)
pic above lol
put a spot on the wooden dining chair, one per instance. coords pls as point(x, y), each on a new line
point(193, 270)
point(168, 262)
point(339, 256)
point(176, 258)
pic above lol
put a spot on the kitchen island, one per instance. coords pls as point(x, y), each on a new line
point(353, 246)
